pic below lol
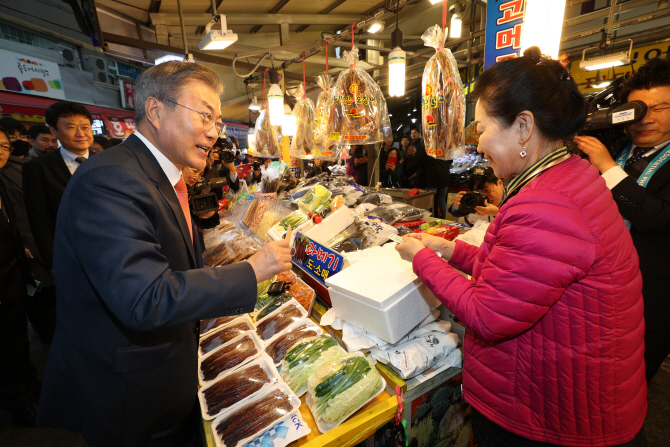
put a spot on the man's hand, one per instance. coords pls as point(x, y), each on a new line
point(487, 209)
point(457, 200)
point(273, 258)
point(29, 254)
point(598, 154)
point(231, 167)
point(213, 157)
point(207, 215)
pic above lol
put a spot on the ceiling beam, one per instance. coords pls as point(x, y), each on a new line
point(325, 11)
point(275, 9)
point(155, 6)
point(200, 55)
point(257, 19)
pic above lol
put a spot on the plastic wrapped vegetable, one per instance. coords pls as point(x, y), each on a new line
point(302, 144)
point(314, 198)
point(442, 101)
point(360, 114)
point(324, 147)
point(278, 348)
point(273, 305)
point(339, 388)
point(305, 358)
point(267, 143)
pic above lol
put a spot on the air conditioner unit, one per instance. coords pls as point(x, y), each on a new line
point(98, 67)
point(68, 56)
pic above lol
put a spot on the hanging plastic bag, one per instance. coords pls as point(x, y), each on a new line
point(324, 147)
point(359, 114)
point(302, 144)
point(442, 101)
point(267, 143)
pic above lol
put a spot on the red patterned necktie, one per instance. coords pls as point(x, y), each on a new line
point(182, 195)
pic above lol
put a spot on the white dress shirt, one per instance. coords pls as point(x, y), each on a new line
point(615, 174)
point(69, 157)
point(172, 172)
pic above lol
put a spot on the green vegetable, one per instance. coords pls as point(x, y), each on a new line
point(275, 304)
point(314, 198)
point(295, 219)
point(263, 286)
point(306, 357)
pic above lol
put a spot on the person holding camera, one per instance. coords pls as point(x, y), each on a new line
point(553, 354)
point(222, 156)
point(202, 221)
point(487, 185)
point(639, 178)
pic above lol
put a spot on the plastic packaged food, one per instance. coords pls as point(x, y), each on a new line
point(278, 348)
point(314, 199)
point(324, 147)
point(339, 388)
point(397, 212)
point(267, 138)
point(287, 276)
point(288, 314)
point(303, 359)
point(302, 144)
point(360, 115)
point(236, 386)
point(224, 334)
point(303, 294)
point(442, 100)
point(229, 356)
point(251, 418)
point(212, 323)
point(273, 305)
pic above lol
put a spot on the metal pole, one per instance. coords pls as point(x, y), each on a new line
point(213, 9)
point(183, 33)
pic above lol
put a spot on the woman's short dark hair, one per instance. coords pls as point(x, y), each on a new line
point(655, 73)
point(65, 109)
point(543, 87)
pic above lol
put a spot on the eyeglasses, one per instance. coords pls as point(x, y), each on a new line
point(208, 120)
point(6, 148)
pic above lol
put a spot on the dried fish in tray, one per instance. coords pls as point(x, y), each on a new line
point(212, 323)
point(231, 355)
point(284, 342)
point(224, 335)
point(288, 314)
point(273, 305)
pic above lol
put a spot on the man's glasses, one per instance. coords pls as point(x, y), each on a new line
point(6, 148)
point(208, 120)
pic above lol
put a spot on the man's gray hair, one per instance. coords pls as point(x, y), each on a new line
point(165, 82)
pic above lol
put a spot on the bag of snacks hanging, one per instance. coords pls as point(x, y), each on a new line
point(267, 143)
point(302, 144)
point(324, 147)
point(359, 115)
point(442, 101)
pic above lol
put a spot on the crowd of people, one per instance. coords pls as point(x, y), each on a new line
point(565, 310)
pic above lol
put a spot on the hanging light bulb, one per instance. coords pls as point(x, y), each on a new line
point(289, 123)
point(456, 25)
point(275, 100)
point(397, 61)
point(254, 104)
point(435, 2)
point(375, 26)
point(542, 25)
point(413, 120)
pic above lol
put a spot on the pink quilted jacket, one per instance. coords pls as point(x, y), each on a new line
point(554, 341)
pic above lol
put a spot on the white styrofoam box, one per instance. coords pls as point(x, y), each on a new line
point(390, 323)
point(331, 226)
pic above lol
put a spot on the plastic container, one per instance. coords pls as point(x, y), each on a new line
point(292, 400)
point(243, 320)
point(290, 337)
point(308, 301)
point(211, 324)
point(331, 226)
point(265, 363)
point(233, 344)
point(276, 321)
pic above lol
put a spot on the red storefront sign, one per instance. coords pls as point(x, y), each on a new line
point(119, 127)
point(127, 94)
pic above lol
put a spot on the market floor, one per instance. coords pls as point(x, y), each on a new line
point(657, 424)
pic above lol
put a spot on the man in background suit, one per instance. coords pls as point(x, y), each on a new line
point(129, 275)
point(45, 178)
point(41, 140)
point(641, 189)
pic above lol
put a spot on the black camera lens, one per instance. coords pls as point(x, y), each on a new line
point(227, 156)
point(471, 200)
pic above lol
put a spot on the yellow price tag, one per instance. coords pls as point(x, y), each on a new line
point(334, 136)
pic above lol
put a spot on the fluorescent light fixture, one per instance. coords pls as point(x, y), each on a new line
point(456, 26)
point(542, 25)
point(397, 61)
point(398, 128)
point(435, 2)
point(607, 61)
point(289, 124)
point(254, 104)
point(414, 109)
point(217, 40)
point(168, 57)
point(390, 114)
point(375, 26)
point(409, 114)
point(276, 105)
point(413, 120)
point(603, 84)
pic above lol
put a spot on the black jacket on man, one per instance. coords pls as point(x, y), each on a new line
point(431, 172)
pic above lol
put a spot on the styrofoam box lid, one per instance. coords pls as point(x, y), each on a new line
point(378, 280)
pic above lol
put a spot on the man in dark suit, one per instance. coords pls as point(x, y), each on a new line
point(129, 275)
point(45, 178)
point(18, 376)
point(640, 183)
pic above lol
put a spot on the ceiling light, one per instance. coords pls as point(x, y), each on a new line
point(275, 100)
point(398, 128)
point(413, 120)
point(375, 26)
point(607, 61)
point(254, 104)
point(542, 25)
point(456, 25)
point(390, 114)
point(217, 40)
point(435, 2)
point(289, 124)
point(603, 84)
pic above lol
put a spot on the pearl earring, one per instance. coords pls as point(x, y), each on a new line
point(523, 151)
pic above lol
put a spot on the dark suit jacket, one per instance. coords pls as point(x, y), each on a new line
point(44, 181)
point(648, 210)
point(431, 172)
point(130, 288)
point(14, 267)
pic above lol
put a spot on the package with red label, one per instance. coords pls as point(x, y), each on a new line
point(359, 115)
point(442, 101)
point(324, 147)
point(267, 142)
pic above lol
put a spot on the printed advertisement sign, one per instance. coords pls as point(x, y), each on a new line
point(127, 94)
point(504, 23)
point(24, 74)
point(119, 127)
point(319, 261)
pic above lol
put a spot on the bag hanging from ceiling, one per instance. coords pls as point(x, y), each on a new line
point(324, 147)
point(359, 114)
point(442, 101)
point(302, 144)
point(267, 137)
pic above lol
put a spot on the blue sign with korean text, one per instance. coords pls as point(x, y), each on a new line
point(318, 261)
point(504, 23)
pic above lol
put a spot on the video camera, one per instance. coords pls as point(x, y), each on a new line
point(202, 199)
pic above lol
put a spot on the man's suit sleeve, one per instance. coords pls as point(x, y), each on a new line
point(646, 212)
point(42, 223)
point(116, 243)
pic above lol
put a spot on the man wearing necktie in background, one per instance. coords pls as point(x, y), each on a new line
point(640, 183)
point(130, 281)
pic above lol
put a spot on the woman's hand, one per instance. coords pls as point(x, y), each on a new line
point(487, 209)
point(457, 200)
point(445, 247)
point(390, 166)
point(409, 248)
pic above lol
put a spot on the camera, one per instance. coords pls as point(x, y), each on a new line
point(202, 200)
point(472, 200)
point(227, 149)
point(226, 155)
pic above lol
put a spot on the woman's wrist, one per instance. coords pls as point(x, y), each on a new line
point(447, 250)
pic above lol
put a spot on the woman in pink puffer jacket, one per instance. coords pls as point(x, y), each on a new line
point(554, 315)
